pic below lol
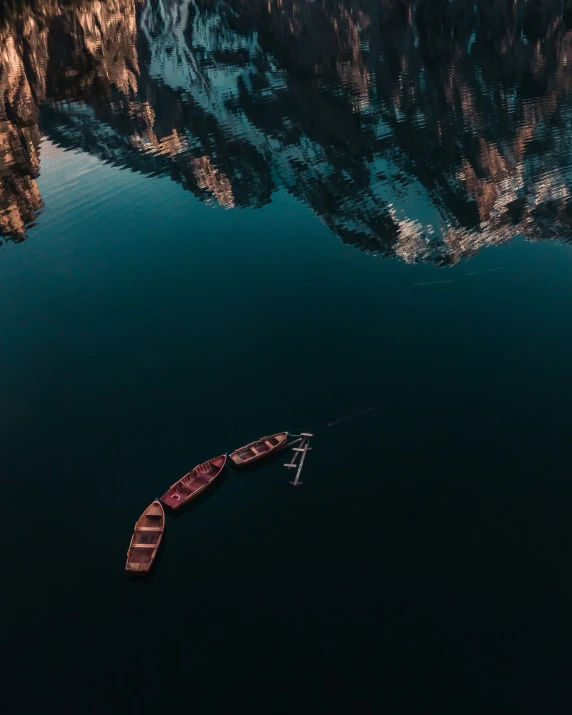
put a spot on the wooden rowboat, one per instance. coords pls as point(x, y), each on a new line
point(263, 447)
point(193, 483)
point(146, 539)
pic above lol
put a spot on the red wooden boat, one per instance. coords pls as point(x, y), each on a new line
point(263, 447)
point(193, 483)
point(146, 539)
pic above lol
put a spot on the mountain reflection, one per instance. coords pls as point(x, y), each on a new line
point(422, 129)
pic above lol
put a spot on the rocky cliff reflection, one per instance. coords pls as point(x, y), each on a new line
point(423, 129)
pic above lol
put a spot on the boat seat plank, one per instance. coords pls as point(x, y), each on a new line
point(150, 528)
point(255, 450)
point(144, 546)
point(269, 444)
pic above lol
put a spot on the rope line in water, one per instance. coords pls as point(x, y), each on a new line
point(351, 417)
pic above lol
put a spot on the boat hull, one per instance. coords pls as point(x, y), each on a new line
point(194, 483)
point(261, 448)
point(146, 539)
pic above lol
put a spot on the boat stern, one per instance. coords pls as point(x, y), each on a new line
point(173, 500)
point(137, 569)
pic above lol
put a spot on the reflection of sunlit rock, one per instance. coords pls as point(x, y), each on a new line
point(110, 36)
point(172, 144)
point(319, 153)
point(352, 72)
point(20, 200)
point(424, 130)
point(19, 136)
point(210, 179)
point(108, 33)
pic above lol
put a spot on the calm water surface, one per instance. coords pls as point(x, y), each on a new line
point(221, 220)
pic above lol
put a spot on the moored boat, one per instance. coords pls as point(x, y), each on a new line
point(259, 449)
point(146, 538)
point(193, 483)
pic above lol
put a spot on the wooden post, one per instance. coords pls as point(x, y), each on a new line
point(297, 481)
point(295, 455)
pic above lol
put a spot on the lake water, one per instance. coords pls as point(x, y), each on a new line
point(222, 220)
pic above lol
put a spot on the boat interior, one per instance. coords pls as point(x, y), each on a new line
point(141, 553)
point(195, 480)
point(147, 535)
point(261, 447)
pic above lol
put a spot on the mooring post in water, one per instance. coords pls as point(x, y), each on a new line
point(292, 464)
point(297, 481)
point(302, 449)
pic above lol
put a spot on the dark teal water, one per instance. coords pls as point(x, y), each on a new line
point(146, 327)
